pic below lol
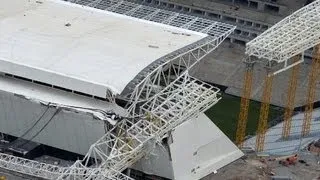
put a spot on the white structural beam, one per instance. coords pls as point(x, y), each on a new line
point(49, 171)
point(127, 142)
point(291, 36)
point(189, 22)
point(173, 67)
point(144, 88)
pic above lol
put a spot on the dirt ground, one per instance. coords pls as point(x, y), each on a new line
point(252, 167)
point(9, 175)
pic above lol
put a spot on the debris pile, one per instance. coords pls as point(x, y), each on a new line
point(314, 147)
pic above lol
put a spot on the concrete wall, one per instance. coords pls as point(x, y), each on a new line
point(68, 130)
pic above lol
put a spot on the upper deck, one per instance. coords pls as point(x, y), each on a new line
point(81, 48)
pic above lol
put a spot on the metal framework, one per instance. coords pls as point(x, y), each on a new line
point(213, 28)
point(244, 106)
point(290, 99)
point(313, 78)
point(290, 37)
point(264, 113)
point(170, 70)
point(275, 47)
point(169, 67)
point(161, 99)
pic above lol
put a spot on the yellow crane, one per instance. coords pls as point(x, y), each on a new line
point(264, 113)
point(290, 99)
point(244, 105)
point(313, 77)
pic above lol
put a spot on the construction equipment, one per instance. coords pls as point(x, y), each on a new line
point(244, 106)
point(291, 160)
point(290, 99)
point(313, 77)
point(264, 113)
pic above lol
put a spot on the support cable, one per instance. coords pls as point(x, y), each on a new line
point(38, 120)
point(47, 123)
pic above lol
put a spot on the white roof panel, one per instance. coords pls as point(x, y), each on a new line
point(81, 48)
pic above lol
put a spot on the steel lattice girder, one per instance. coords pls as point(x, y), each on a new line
point(193, 23)
point(187, 57)
point(149, 86)
point(127, 142)
point(49, 171)
point(291, 36)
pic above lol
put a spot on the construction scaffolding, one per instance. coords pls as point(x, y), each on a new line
point(313, 78)
point(244, 105)
point(264, 113)
point(290, 99)
point(275, 48)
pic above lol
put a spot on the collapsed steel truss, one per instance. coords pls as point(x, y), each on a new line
point(160, 101)
point(171, 66)
point(131, 139)
point(290, 37)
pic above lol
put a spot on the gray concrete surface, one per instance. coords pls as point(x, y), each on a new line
point(9, 175)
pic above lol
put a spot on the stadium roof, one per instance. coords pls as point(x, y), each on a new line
point(81, 48)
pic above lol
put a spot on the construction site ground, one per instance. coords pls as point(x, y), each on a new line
point(10, 175)
point(253, 167)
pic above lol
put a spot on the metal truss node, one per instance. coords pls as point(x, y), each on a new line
point(161, 97)
point(290, 37)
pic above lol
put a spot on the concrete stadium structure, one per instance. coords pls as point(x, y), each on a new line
point(75, 78)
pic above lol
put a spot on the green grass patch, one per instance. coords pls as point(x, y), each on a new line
point(225, 115)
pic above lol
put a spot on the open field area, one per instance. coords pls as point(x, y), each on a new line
point(225, 115)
